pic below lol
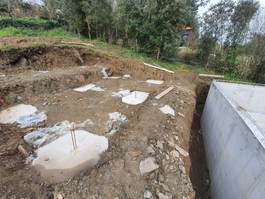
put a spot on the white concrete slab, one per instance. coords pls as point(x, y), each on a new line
point(167, 110)
point(40, 136)
point(13, 114)
point(88, 87)
point(32, 120)
point(152, 81)
point(58, 161)
point(121, 93)
point(135, 98)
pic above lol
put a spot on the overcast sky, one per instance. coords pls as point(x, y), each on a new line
point(201, 10)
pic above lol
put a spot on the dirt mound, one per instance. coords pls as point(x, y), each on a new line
point(45, 58)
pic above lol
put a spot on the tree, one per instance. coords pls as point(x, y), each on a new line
point(240, 19)
point(256, 50)
point(51, 8)
point(216, 21)
point(150, 26)
point(72, 12)
point(154, 25)
point(206, 47)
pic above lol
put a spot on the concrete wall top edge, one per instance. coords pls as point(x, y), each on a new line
point(246, 100)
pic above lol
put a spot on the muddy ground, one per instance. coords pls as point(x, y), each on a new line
point(148, 132)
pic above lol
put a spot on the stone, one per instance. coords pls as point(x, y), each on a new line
point(163, 196)
point(148, 165)
point(165, 187)
point(104, 72)
point(150, 150)
point(182, 169)
point(181, 114)
point(59, 196)
point(22, 61)
point(181, 151)
point(147, 194)
point(78, 57)
point(159, 144)
point(174, 154)
point(171, 143)
point(116, 119)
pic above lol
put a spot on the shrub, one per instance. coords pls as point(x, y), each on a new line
point(187, 54)
point(243, 69)
point(207, 45)
point(30, 22)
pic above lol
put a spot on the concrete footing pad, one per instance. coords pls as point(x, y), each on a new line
point(135, 98)
point(58, 161)
point(12, 114)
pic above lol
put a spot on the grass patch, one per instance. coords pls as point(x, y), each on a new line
point(116, 50)
point(30, 22)
point(21, 32)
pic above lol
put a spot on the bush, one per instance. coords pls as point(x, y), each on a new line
point(243, 69)
point(187, 54)
point(30, 22)
point(230, 62)
point(207, 45)
point(224, 61)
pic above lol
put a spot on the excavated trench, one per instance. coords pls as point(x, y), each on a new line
point(46, 76)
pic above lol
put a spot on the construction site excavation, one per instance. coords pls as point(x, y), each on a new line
point(78, 124)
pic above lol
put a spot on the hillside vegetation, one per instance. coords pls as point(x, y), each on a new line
point(168, 31)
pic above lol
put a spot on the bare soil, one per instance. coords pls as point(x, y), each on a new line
point(117, 175)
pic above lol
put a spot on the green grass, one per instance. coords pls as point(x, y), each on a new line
point(116, 50)
point(30, 22)
point(21, 32)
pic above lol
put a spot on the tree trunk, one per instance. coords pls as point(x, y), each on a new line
point(158, 54)
point(88, 28)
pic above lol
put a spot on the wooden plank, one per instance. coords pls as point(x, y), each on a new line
point(211, 76)
point(77, 43)
point(159, 68)
point(164, 92)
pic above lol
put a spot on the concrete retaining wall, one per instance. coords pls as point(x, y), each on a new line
point(234, 140)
